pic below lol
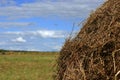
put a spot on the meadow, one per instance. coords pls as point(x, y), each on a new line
point(27, 66)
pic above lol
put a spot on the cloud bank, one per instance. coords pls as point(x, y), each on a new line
point(15, 24)
point(39, 40)
point(59, 8)
point(39, 33)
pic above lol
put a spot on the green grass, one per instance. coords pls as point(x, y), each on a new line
point(27, 66)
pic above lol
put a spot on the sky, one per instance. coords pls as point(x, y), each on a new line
point(41, 25)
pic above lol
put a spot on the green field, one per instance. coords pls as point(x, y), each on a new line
point(29, 66)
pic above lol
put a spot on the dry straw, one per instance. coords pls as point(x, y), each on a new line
point(94, 53)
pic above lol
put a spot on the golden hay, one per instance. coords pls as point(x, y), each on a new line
point(94, 53)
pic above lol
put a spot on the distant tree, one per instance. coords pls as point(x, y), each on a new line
point(2, 51)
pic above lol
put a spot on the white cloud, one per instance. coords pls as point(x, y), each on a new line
point(67, 8)
point(19, 39)
point(15, 24)
point(39, 33)
point(50, 34)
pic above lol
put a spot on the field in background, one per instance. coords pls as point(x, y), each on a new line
point(27, 66)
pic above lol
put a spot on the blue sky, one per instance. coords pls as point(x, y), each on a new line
point(41, 25)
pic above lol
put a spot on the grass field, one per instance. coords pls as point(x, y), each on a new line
point(39, 66)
